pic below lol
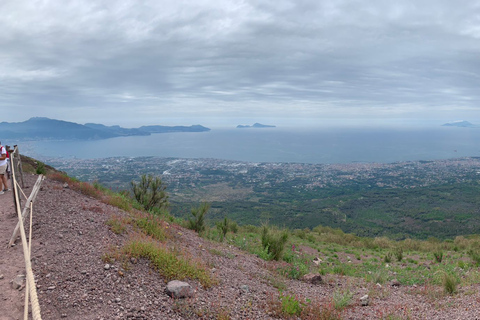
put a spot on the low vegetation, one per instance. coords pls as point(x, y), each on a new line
point(170, 264)
point(446, 265)
point(150, 192)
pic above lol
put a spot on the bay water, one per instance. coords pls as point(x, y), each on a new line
point(310, 145)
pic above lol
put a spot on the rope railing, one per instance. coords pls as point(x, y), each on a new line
point(31, 288)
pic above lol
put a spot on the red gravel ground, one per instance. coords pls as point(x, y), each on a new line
point(70, 237)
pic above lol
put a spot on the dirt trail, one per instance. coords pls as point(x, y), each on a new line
point(11, 261)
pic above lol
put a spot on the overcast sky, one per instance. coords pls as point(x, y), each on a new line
point(148, 62)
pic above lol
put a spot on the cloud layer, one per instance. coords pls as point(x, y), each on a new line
point(148, 60)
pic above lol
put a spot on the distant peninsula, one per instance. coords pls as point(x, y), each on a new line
point(41, 128)
point(460, 123)
point(255, 125)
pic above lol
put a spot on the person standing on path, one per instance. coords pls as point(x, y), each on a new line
point(3, 170)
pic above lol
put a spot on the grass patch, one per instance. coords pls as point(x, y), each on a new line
point(342, 299)
point(117, 224)
point(118, 200)
point(151, 226)
point(287, 306)
point(169, 264)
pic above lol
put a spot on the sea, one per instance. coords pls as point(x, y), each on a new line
point(298, 145)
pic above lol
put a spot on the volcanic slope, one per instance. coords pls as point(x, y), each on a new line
point(71, 240)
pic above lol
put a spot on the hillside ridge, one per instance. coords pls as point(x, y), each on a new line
point(80, 276)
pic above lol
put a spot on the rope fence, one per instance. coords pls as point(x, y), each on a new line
point(30, 286)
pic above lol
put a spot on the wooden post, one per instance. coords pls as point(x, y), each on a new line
point(26, 209)
point(19, 163)
point(13, 185)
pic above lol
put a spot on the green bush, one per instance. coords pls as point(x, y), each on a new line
point(150, 192)
point(475, 256)
point(223, 227)
point(197, 223)
point(290, 305)
point(438, 256)
point(388, 257)
point(399, 254)
point(342, 299)
point(449, 283)
point(274, 242)
point(40, 168)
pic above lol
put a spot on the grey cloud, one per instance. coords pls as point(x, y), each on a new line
point(285, 58)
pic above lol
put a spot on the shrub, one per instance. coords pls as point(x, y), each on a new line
point(449, 283)
point(399, 254)
point(342, 299)
point(388, 257)
point(475, 256)
point(438, 256)
point(290, 305)
point(150, 192)
point(274, 242)
point(223, 227)
point(198, 222)
point(233, 226)
point(40, 168)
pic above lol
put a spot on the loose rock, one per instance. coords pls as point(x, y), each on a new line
point(312, 278)
point(179, 289)
point(364, 300)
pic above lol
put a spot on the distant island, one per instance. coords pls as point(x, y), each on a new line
point(460, 123)
point(255, 125)
point(41, 128)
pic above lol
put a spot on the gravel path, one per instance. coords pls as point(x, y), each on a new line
point(12, 262)
point(70, 238)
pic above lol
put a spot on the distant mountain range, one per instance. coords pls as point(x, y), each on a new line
point(460, 123)
point(40, 128)
point(255, 125)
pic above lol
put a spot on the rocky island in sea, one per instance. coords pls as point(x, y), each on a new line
point(460, 123)
point(255, 125)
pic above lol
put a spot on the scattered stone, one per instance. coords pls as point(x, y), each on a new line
point(1, 276)
point(312, 278)
point(51, 288)
point(244, 288)
point(317, 261)
point(106, 267)
point(378, 285)
point(179, 289)
point(364, 300)
point(65, 185)
point(17, 282)
point(118, 300)
point(395, 283)
point(133, 260)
